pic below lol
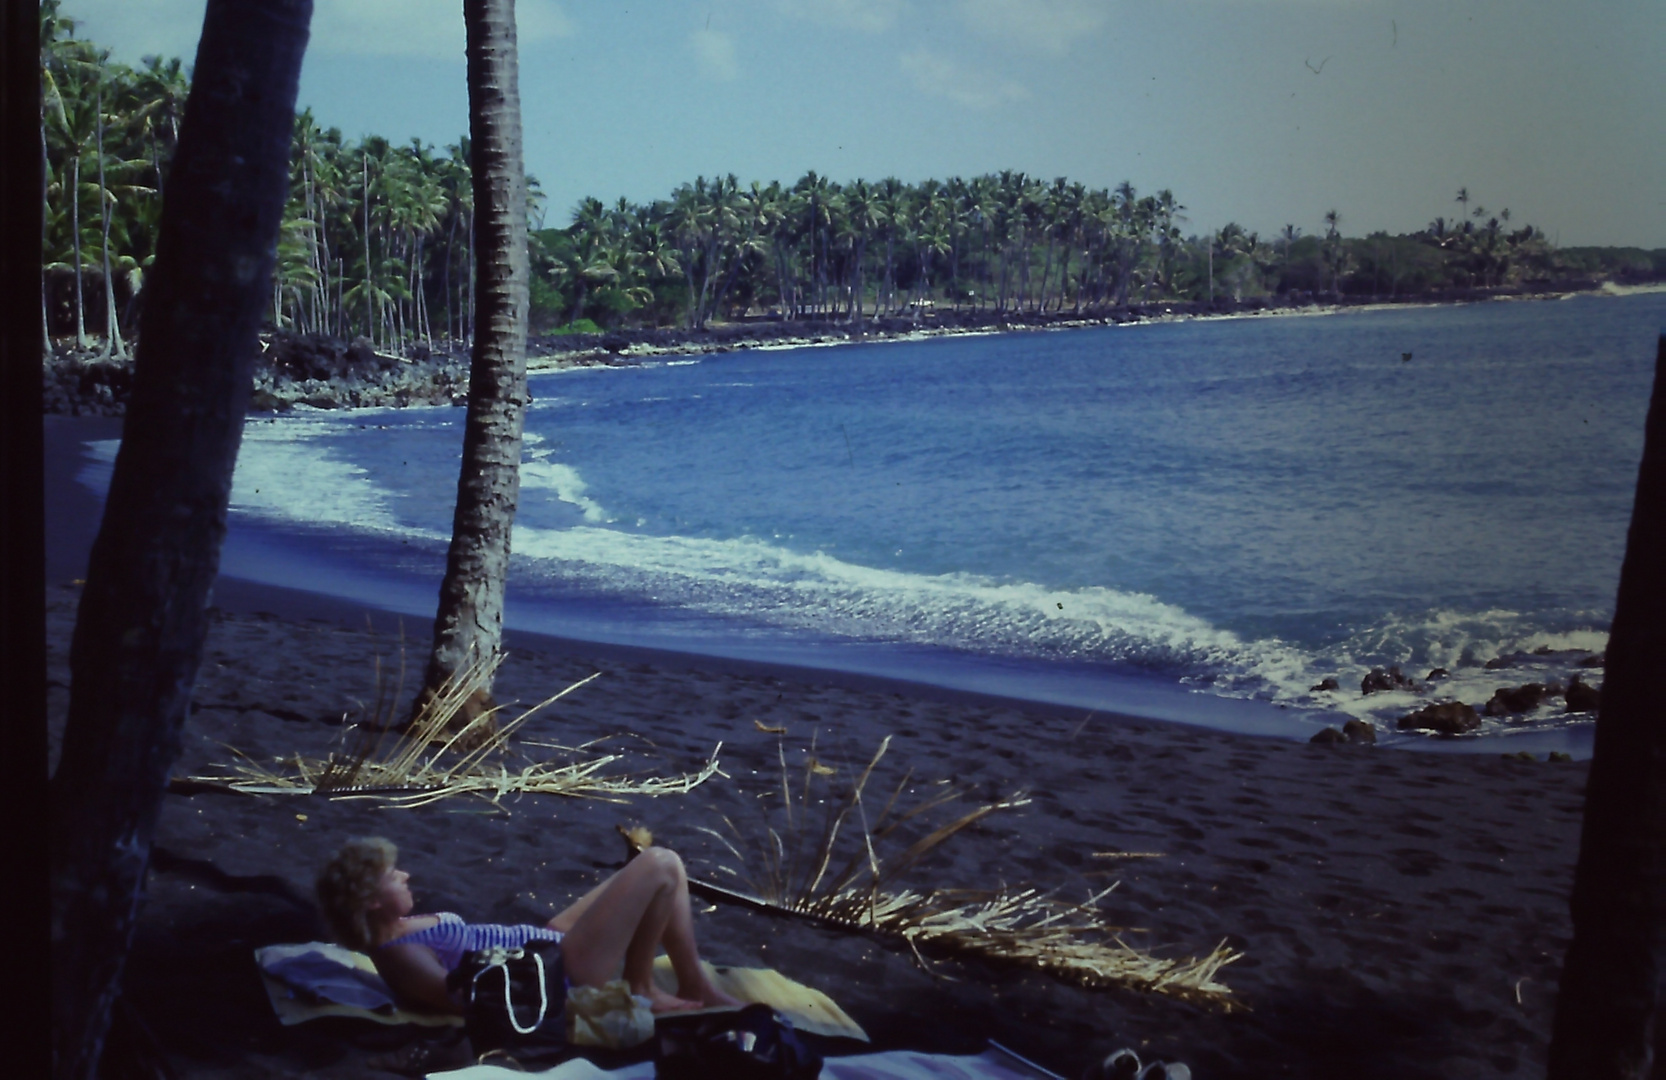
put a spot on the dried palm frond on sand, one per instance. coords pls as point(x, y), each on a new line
point(797, 873)
point(426, 762)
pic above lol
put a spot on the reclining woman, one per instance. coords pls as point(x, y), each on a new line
point(620, 924)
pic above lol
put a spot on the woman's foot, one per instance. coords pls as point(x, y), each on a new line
point(710, 997)
point(665, 1003)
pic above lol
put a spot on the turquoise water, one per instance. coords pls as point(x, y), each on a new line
point(1194, 520)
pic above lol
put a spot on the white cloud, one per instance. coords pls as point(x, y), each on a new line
point(427, 28)
point(941, 77)
point(715, 53)
point(872, 16)
point(1050, 26)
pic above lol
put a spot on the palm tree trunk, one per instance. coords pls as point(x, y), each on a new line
point(139, 632)
point(469, 624)
point(445, 275)
point(473, 276)
point(369, 277)
point(112, 329)
point(45, 318)
point(81, 339)
point(1606, 1007)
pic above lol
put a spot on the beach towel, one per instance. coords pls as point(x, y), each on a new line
point(808, 1009)
point(305, 982)
point(317, 979)
point(992, 1064)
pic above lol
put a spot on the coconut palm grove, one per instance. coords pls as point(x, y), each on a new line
point(377, 239)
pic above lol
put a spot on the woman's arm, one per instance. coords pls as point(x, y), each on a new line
point(416, 976)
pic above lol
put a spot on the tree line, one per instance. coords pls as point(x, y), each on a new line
point(378, 239)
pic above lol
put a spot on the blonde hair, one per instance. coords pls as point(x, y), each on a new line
point(349, 881)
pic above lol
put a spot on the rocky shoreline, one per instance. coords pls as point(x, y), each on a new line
point(1452, 717)
point(326, 373)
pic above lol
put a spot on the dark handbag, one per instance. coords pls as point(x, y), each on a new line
point(756, 1043)
point(514, 1000)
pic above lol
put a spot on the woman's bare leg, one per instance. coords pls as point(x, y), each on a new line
point(622, 923)
point(567, 916)
point(678, 938)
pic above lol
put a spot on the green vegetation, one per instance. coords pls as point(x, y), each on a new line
point(378, 239)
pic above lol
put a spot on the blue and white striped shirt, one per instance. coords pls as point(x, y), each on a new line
point(451, 938)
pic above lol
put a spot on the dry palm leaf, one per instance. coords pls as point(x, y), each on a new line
point(794, 874)
point(420, 768)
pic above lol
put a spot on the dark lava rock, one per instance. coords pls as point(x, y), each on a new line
point(1392, 679)
point(1450, 718)
point(1327, 684)
point(1598, 660)
point(1583, 698)
point(1507, 700)
point(1557, 755)
point(1500, 662)
point(1328, 737)
point(1438, 673)
point(266, 401)
point(1360, 731)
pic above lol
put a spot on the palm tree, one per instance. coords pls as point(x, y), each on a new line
point(1130, 235)
point(469, 622)
point(1606, 1008)
point(143, 612)
point(69, 71)
point(864, 213)
point(1335, 254)
point(1290, 234)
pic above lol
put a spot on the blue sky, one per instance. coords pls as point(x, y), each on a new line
point(1257, 111)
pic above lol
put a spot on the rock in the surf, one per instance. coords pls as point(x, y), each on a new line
point(1510, 700)
point(1326, 684)
point(1360, 731)
point(1583, 697)
point(1328, 737)
point(1392, 679)
point(1448, 718)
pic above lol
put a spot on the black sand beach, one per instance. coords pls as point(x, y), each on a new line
point(1400, 915)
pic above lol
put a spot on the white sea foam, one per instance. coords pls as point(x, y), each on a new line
point(756, 580)
point(565, 482)
point(759, 581)
point(282, 472)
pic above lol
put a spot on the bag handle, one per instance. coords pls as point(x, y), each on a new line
point(508, 1001)
point(543, 999)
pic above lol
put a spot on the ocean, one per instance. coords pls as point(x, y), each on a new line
point(1195, 521)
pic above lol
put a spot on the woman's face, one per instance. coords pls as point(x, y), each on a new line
point(392, 898)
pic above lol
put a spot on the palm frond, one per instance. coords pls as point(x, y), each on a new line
point(1071, 941)
point(427, 763)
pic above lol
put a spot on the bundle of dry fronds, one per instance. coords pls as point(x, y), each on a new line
point(798, 872)
point(426, 763)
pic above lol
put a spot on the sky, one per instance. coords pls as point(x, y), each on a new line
point(1263, 112)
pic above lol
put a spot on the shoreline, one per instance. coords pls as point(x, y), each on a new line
point(327, 373)
point(1133, 315)
point(258, 568)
